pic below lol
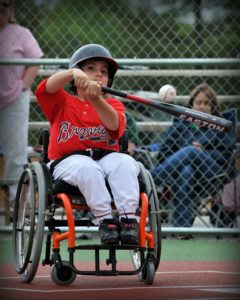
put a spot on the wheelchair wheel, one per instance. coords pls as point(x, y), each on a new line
point(23, 221)
point(63, 275)
point(29, 221)
point(155, 220)
point(148, 272)
point(153, 224)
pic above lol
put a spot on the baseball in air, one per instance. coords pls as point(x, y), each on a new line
point(167, 93)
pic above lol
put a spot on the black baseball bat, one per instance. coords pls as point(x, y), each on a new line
point(184, 113)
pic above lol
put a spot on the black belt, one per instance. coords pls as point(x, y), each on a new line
point(95, 154)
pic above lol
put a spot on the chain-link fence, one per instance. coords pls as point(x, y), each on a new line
point(139, 29)
point(135, 28)
point(143, 29)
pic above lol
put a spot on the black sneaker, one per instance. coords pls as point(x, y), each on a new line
point(129, 231)
point(108, 231)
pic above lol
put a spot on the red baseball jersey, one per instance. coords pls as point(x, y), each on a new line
point(75, 125)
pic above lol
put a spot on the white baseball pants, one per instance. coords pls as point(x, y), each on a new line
point(121, 171)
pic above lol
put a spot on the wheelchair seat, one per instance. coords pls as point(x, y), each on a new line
point(61, 186)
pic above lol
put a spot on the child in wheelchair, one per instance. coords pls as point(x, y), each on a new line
point(85, 128)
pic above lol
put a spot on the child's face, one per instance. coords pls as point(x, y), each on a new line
point(202, 103)
point(97, 70)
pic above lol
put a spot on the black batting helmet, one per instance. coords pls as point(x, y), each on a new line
point(94, 51)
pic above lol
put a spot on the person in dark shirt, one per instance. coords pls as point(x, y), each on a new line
point(190, 155)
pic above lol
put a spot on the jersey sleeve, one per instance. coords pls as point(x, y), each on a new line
point(50, 103)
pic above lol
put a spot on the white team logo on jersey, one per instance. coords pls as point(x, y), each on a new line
point(99, 133)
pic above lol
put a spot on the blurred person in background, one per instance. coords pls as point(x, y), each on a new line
point(15, 86)
point(189, 155)
point(133, 133)
point(226, 205)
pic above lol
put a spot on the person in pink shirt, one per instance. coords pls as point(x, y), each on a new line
point(15, 86)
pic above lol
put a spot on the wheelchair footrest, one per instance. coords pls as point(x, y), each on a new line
point(106, 247)
point(111, 260)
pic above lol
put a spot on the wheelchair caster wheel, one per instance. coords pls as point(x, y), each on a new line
point(64, 275)
point(148, 272)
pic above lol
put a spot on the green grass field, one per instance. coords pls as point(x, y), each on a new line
point(197, 249)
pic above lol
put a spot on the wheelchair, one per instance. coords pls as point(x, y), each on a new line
point(37, 202)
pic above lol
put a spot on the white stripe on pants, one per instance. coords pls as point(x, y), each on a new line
point(121, 171)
